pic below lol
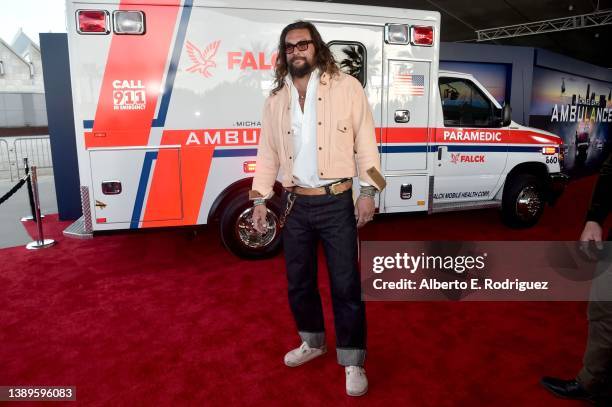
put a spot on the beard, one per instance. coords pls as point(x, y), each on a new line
point(301, 71)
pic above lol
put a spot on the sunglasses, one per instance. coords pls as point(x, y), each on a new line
point(301, 46)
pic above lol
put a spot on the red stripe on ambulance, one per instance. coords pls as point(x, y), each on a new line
point(133, 78)
point(195, 161)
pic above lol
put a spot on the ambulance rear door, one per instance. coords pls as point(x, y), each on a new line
point(409, 72)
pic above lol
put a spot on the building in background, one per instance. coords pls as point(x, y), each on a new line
point(22, 98)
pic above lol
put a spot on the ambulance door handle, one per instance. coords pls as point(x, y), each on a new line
point(441, 149)
point(402, 116)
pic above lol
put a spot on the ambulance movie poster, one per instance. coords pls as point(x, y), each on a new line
point(579, 110)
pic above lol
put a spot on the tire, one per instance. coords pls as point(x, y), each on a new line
point(238, 235)
point(523, 201)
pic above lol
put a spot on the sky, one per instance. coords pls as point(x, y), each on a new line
point(33, 16)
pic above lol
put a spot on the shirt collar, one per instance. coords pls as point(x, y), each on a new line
point(314, 75)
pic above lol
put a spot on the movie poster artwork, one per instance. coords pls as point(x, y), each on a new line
point(579, 110)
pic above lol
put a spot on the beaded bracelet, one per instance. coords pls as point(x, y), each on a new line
point(367, 191)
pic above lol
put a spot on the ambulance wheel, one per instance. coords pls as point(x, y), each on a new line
point(239, 236)
point(523, 201)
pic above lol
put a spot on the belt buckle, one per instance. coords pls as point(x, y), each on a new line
point(333, 186)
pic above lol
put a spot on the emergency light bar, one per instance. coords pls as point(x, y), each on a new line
point(125, 22)
point(396, 34)
point(422, 35)
point(419, 35)
point(93, 22)
point(129, 22)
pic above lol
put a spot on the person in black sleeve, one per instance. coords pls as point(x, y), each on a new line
point(594, 381)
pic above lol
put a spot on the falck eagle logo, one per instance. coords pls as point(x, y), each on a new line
point(455, 158)
point(202, 60)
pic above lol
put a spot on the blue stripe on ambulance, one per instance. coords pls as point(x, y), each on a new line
point(142, 187)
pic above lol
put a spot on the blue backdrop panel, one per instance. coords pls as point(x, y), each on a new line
point(58, 95)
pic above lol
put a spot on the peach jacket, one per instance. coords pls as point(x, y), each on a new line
point(346, 137)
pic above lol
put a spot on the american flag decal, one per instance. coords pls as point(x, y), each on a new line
point(409, 84)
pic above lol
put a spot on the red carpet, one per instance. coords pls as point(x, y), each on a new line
point(168, 317)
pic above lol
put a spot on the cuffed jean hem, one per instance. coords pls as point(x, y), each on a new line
point(586, 380)
point(351, 356)
point(592, 384)
point(313, 339)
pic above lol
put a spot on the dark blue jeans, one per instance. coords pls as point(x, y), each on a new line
point(331, 220)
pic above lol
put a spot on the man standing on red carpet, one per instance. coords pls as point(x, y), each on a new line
point(594, 381)
point(318, 130)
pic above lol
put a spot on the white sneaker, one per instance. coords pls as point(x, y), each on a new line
point(356, 381)
point(303, 354)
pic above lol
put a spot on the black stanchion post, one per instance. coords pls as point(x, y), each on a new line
point(26, 168)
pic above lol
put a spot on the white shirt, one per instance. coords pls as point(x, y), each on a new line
point(304, 126)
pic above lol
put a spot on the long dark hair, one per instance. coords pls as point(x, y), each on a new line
point(324, 59)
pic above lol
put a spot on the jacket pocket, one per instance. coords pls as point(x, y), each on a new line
point(344, 135)
point(344, 126)
point(344, 144)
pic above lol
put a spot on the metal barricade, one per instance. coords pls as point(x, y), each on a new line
point(36, 149)
point(5, 161)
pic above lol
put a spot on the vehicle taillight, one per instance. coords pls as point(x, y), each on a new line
point(549, 150)
point(422, 35)
point(248, 166)
point(93, 22)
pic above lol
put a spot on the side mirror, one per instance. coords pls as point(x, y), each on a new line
point(506, 115)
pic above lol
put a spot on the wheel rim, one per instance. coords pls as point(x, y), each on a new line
point(528, 203)
point(247, 234)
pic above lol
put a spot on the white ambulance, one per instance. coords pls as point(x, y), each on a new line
point(168, 96)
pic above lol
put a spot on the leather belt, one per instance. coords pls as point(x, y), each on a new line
point(335, 188)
